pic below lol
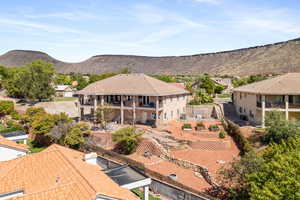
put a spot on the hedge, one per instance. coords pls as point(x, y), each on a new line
point(234, 131)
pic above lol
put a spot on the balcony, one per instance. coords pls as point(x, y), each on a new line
point(271, 105)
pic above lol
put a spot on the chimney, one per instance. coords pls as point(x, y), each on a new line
point(91, 158)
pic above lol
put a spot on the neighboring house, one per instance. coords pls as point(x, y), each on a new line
point(10, 150)
point(64, 91)
point(16, 136)
point(281, 93)
point(136, 98)
point(58, 173)
point(225, 82)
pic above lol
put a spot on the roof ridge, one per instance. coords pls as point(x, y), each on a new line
point(48, 190)
point(76, 169)
point(149, 82)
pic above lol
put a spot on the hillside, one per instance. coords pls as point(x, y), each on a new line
point(279, 57)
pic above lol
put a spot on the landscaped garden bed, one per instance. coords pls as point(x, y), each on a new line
point(187, 127)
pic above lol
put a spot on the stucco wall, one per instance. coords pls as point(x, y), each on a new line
point(173, 107)
point(7, 153)
point(245, 103)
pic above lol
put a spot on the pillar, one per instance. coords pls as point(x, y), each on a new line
point(286, 98)
point(146, 192)
point(79, 106)
point(263, 110)
point(95, 107)
point(133, 110)
point(156, 111)
point(122, 110)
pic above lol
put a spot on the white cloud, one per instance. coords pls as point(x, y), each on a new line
point(38, 26)
point(163, 23)
point(73, 16)
point(266, 20)
point(215, 2)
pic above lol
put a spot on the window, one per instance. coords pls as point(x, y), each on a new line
point(172, 114)
point(165, 115)
point(240, 95)
point(241, 109)
point(178, 112)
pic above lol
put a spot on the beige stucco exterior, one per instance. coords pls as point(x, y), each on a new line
point(256, 106)
point(145, 107)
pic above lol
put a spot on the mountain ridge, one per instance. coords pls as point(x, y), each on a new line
point(270, 58)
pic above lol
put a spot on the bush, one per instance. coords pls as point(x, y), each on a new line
point(214, 128)
point(222, 134)
point(127, 139)
point(234, 131)
point(6, 108)
point(200, 126)
point(186, 126)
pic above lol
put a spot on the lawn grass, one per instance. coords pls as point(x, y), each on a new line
point(140, 194)
point(34, 148)
point(64, 98)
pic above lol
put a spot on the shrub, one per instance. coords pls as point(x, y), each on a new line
point(222, 134)
point(6, 108)
point(200, 126)
point(214, 128)
point(127, 139)
point(186, 126)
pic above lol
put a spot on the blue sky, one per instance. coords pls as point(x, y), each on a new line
point(74, 30)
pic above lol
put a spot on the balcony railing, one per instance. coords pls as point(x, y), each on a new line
point(270, 105)
point(294, 105)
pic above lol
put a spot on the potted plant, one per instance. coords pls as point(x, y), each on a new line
point(187, 127)
point(222, 134)
point(214, 128)
point(200, 126)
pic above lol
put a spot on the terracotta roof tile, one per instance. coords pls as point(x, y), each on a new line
point(58, 173)
point(12, 144)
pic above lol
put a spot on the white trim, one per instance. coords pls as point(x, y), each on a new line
point(137, 184)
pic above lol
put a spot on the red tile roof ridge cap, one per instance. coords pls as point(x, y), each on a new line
point(74, 166)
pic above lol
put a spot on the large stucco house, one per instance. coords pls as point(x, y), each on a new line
point(136, 98)
point(281, 93)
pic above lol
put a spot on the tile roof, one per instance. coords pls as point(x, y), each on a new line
point(132, 84)
point(12, 144)
point(280, 85)
point(58, 173)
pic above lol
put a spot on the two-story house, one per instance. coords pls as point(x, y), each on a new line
point(281, 93)
point(136, 98)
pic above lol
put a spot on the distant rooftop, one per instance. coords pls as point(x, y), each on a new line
point(132, 84)
point(12, 144)
point(281, 85)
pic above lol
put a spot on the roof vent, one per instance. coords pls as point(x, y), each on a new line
point(173, 176)
point(91, 158)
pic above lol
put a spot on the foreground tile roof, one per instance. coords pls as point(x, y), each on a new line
point(58, 173)
point(281, 85)
point(12, 144)
point(132, 84)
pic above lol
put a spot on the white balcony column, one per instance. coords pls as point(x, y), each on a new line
point(95, 107)
point(122, 110)
point(263, 110)
point(146, 193)
point(133, 110)
point(286, 98)
point(101, 105)
point(156, 111)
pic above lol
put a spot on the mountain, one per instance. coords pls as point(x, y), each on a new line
point(271, 58)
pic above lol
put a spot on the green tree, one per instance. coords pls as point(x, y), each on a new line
point(6, 108)
point(104, 114)
point(127, 139)
point(165, 78)
point(37, 80)
point(234, 178)
point(279, 177)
